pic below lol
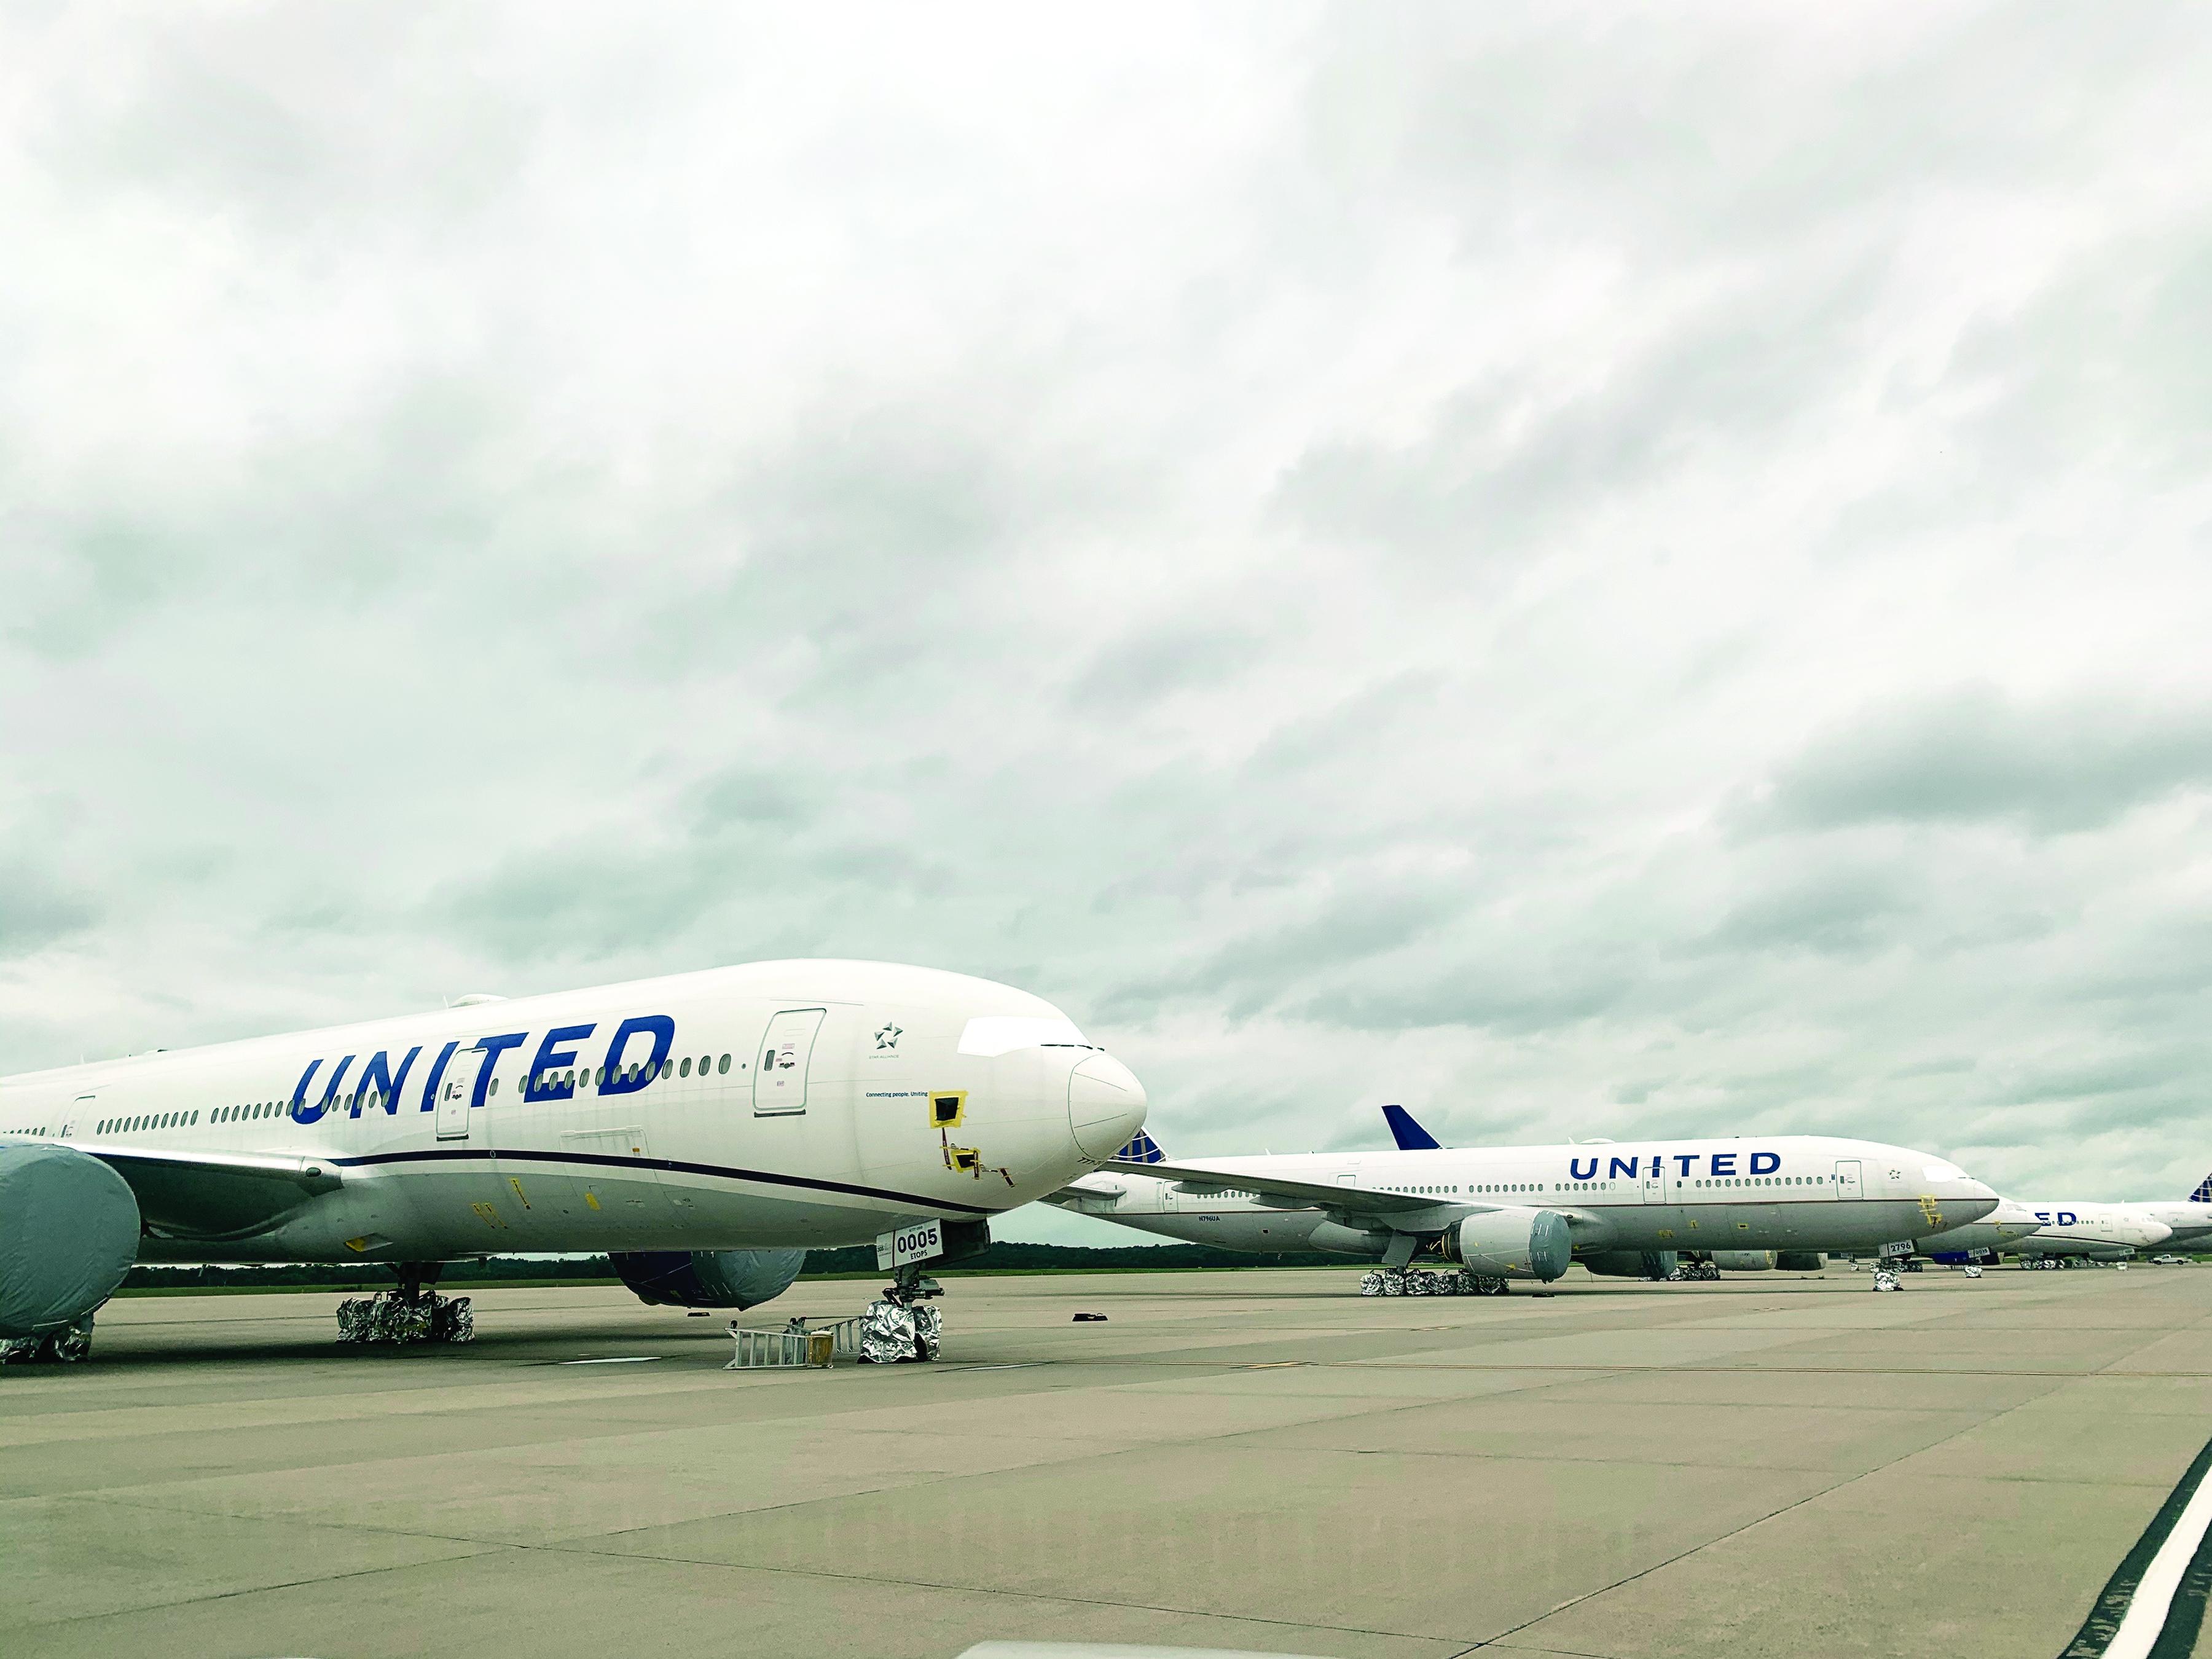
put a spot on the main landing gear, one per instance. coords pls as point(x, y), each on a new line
point(65, 1346)
point(1413, 1281)
point(1687, 1270)
point(411, 1312)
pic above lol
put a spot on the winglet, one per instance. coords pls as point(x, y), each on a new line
point(1412, 1138)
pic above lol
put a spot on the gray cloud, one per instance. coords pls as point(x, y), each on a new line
point(39, 909)
point(1138, 671)
point(1972, 754)
point(1592, 573)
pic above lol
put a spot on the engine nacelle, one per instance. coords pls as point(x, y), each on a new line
point(707, 1279)
point(1743, 1262)
point(1368, 1242)
point(1632, 1264)
point(1510, 1243)
point(69, 1231)
point(1800, 1261)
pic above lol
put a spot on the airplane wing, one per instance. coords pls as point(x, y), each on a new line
point(213, 1195)
point(1075, 1190)
point(1296, 1195)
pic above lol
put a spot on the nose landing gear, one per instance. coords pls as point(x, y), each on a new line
point(901, 1328)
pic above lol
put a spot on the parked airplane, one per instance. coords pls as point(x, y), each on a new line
point(2004, 1222)
point(2191, 1219)
point(705, 1129)
point(1522, 1211)
point(2037, 1231)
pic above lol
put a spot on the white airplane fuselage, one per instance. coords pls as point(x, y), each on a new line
point(2109, 1232)
point(2187, 1223)
point(1779, 1193)
point(792, 1104)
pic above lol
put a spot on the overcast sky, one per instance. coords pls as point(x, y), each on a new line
point(1592, 570)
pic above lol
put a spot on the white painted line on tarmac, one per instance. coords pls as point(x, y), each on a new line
point(2153, 1597)
point(2152, 1606)
point(626, 1359)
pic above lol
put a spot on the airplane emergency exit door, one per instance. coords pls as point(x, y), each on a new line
point(455, 1091)
point(780, 1074)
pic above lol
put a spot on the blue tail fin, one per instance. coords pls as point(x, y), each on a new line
point(2203, 1193)
point(1412, 1138)
point(1143, 1150)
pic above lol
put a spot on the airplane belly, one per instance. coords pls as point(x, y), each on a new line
point(1189, 1229)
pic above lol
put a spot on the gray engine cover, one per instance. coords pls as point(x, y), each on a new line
point(69, 1231)
point(1512, 1242)
point(708, 1279)
point(1744, 1261)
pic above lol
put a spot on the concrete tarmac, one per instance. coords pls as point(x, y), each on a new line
point(1774, 1464)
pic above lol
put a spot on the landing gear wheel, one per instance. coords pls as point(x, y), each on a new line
point(66, 1346)
point(399, 1318)
point(901, 1328)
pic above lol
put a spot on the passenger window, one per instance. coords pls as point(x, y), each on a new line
point(725, 1065)
point(685, 1070)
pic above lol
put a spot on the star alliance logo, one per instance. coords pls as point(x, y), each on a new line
point(887, 1038)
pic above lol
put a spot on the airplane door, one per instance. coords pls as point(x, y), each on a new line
point(780, 1079)
point(1655, 1182)
point(1848, 1184)
point(455, 1091)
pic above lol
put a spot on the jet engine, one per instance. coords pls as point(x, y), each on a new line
point(1632, 1264)
point(707, 1279)
point(1743, 1262)
point(1800, 1261)
point(69, 1231)
point(1510, 1243)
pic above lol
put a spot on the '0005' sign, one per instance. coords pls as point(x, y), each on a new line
point(916, 1243)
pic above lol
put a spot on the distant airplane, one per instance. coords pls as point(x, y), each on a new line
point(1508, 1212)
point(2038, 1229)
point(706, 1130)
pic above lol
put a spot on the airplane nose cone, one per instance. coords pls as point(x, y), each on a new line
point(1105, 1105)
point(1959, 1199)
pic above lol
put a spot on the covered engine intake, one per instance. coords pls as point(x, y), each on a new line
point(1632, 1264)
point(1743, 1262)
point(69, 1231)
point(1510, 1243)
point(707, 1279)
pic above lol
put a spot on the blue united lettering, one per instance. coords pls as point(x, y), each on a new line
point(381, 1083)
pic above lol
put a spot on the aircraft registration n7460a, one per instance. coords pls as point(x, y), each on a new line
point(1524, 1212)
point(676, 1123)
